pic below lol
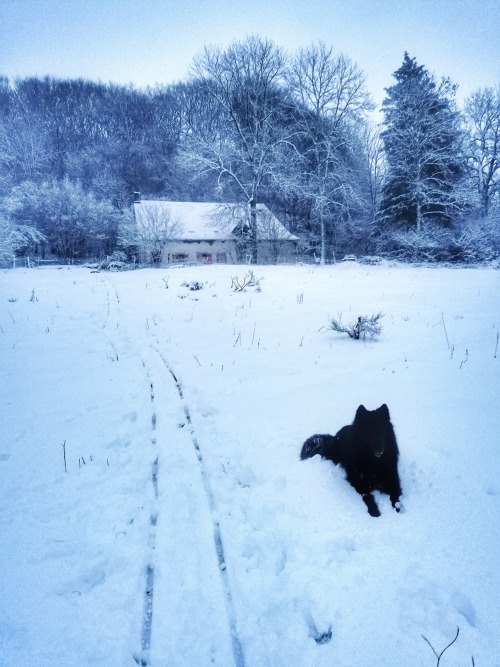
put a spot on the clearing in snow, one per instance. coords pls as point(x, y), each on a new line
point(155, 510)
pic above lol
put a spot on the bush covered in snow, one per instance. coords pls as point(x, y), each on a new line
point(471, 241)
point(13, 238)
point(364, 327)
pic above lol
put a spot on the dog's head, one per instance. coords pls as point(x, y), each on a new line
point(374, 425)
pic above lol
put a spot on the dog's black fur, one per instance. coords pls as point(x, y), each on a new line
point(368, 451)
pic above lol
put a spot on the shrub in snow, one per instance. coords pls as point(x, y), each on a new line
point(364, 327)
point(117, 260)
point(467, 241)
point(475, 241)
point(248, 281)
point(428, 244)
point(75, 222)
point(193, 286)
point(14, 238)
point(372, 260)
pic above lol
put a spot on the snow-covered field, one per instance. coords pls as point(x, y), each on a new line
point(181, 415)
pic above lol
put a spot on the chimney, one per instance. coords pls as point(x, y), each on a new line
point(137, 197)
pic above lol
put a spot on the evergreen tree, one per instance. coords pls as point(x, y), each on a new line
point(422, 143)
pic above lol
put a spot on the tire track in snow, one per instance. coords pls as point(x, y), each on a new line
point(112, 323)
point(143, 659)
point(238, 655)
point(147, 617)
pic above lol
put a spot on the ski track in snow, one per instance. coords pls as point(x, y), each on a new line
point(112, 324)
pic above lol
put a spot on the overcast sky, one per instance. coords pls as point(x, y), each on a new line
point(154, 41)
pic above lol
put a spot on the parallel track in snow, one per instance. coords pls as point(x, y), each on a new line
point(143, 657)
point(238, 655)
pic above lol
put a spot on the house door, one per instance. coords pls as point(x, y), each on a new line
point(204, 257)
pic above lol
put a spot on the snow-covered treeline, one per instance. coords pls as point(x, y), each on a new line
point(255, 124)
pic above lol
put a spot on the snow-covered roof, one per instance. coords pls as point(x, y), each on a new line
point(206, 221)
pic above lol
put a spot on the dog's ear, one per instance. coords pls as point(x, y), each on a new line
point(361, 411)
point(384, 410)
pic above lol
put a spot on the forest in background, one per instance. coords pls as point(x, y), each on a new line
point(253, 124)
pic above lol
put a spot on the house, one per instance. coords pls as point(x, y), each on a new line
point(199, 232)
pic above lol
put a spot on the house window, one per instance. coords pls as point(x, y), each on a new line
point(203, 257)
point(180, 258)
point(221, 258)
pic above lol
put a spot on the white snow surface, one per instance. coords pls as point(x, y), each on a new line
point(249, 553)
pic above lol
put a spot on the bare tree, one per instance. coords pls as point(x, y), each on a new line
point(275, 235)
point(242, 146)
point(331, 86)
point(482, 114)
point(151, 229)
point(375, 168)
point(24, 141)
point(331, 96)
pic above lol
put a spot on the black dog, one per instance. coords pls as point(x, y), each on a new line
point(368, 451)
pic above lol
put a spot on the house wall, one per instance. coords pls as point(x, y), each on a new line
point(270, 252)
point(200, 252)
point(225, 252)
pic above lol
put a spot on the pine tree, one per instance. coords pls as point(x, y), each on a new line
point(422, 143)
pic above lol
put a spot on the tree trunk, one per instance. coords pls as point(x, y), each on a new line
point(485, 200)
point(323, 241)
point(253, 230)
point(419, 218)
